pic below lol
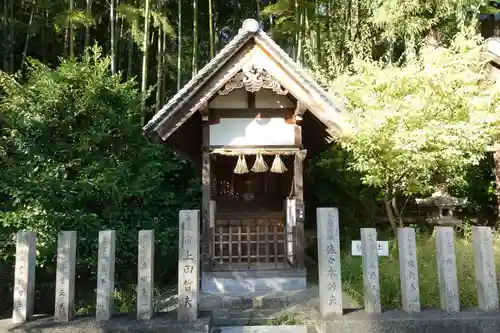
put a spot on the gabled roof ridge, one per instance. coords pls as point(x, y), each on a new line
point(203, 75)
point(299, 69)
point(250, 29)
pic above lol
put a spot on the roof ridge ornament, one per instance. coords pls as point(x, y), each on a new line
point(253, 79)
point(250, 25)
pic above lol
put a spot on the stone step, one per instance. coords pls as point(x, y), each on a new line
point(262, 329)
point(247, 318)
point(252, 300)
point(254, 281)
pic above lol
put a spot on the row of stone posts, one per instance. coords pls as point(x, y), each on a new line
point(24, 283)
point(189, 275)
point(330, 271)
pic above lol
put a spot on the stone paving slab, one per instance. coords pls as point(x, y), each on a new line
point(262, 329)
point(427, 321)
point(163, 322)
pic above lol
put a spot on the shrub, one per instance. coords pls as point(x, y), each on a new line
point(73, 157)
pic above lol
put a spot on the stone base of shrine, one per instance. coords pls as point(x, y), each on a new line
point(162, 322)
point(251, 308)
point(251, 297)
point(265, 281)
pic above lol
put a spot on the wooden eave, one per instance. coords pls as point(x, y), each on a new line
point(492, 48)
point(249, 43)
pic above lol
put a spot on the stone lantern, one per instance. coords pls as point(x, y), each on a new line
point(441, 207)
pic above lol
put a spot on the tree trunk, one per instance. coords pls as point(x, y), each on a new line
point(121, 45)
point(65, 45)
point(44, 37)
point(87, 27)
point(195, 38)
point(179, 44)
point(397, 212)
point(130, 59)
point(259, 18)
point(432, 38)
point(71, 31)
point(271, 23)
point(144, 84)
point(112, 13)
point(211, 29)
point(390, 213)
point(5, 36)
point(28, 34)
point(12, 41)
point(297, 33)
point(159, 71)
point(318, 33)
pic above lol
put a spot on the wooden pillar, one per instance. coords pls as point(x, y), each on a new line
point(290, 225)
point(205, 200)
point(298, 181)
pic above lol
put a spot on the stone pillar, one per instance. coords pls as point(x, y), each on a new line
point(486, 278)
point(408, 267)
point(105, 275)
point(330, 284)
point(189, 260)
point(371, 281)
point(24, 277)
point(447, 269)
point(145, 274)
point(65, 276)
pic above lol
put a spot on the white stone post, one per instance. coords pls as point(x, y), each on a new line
point(24, 277)
point(371, 281)
point(486, 277)
point(145, 274)
point(447, 269)
point(330, 283)
point(189, 261)
point(408, 267)
point(65, 276)
point(105, 275)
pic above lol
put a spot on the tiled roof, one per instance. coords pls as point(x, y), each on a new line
point(249, 30)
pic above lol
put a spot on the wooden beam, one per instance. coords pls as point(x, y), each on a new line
point(287, 114)
point(298, 135)
point(204, 111)
point(251, 100)
point(257, 148)
point(205, 200)
point(299, 111)
point(298, 183)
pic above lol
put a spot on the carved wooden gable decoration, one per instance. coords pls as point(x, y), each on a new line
point(253, 79)
point(254, 62)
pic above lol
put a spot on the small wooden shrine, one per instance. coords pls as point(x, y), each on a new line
point(250, 119)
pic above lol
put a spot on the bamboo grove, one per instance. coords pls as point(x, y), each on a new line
point(163, 42)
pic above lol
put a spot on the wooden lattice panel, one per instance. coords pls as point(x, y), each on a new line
point(236, 245)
